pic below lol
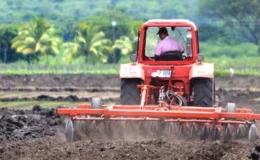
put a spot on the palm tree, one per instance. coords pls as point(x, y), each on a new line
point(38, 37)
point(92, 41)
point(126, 44)
point(70, 50)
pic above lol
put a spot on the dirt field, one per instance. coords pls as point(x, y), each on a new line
point(37, 133)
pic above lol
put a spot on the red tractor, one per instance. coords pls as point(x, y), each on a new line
point(174, 92)
point(183, 77)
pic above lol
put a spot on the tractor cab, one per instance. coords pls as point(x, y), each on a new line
point(184, 31)
point(178, 72)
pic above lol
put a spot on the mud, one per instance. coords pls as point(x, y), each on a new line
point(163, 149)
point(59, 81)
point(38, 134)
point(18, 125)
point(244, 91)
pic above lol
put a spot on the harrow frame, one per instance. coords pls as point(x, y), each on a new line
point(167, 114)
point(229, 122)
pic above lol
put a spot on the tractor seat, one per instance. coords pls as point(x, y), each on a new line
point(170, 56)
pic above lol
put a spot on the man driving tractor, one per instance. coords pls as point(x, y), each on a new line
point(167, 43)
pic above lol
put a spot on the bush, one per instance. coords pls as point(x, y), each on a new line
point(240, 50)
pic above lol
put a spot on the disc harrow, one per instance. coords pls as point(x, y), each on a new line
point(132, 122)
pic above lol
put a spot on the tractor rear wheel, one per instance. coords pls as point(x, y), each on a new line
point(130, 94)
point(204, 92)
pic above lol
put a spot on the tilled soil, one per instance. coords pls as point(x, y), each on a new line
point(18, 125)
point(161, 148)
point(37, 133)
point(83, 81)
point(40, 138)
point(59, 81)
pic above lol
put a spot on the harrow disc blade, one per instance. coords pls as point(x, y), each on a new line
point(153, 127)
point(150, 128)
point(194, 131)
point(127, 130)
point(216, 133)
point(228, 133)
point(171, 129)
point(252, 134)
point(186, 129)
point(160, 128)
point(133, 129)
point(69, 130)
point(108, 128)
point(204, 133)
point(241, 131)
point(119, 129)
point(80, 129)
point(144, 127)
point(180, 130)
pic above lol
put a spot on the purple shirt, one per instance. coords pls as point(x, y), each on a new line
point(168, 44)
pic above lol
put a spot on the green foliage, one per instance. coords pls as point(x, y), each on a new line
point(37, 37)
point(69, 52)
point(217, 50)
point(92, 41)
point(59, 60)
point(227, 21)
point(237, 19)
point(145, 10)
point(7, 33)
point(19, 11)
point(241, 65)
point(124, 23)
point(124, 44)
point(24, 68)
point(67, 26)
point(78, 32)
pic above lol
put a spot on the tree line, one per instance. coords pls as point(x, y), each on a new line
point(72, 31)
point(94, 43)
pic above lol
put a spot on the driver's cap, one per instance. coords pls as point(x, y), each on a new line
point(162, 30)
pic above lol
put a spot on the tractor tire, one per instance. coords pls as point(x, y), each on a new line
point(130, 94)
point(204, 92)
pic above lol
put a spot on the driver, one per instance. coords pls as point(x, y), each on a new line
point(167, 43)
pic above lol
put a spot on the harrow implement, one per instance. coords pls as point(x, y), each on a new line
point(115, 121)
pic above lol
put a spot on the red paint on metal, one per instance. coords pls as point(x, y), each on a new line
point(155, 113)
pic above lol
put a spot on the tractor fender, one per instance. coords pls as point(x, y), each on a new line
point(131, 71)
point(202, 70)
